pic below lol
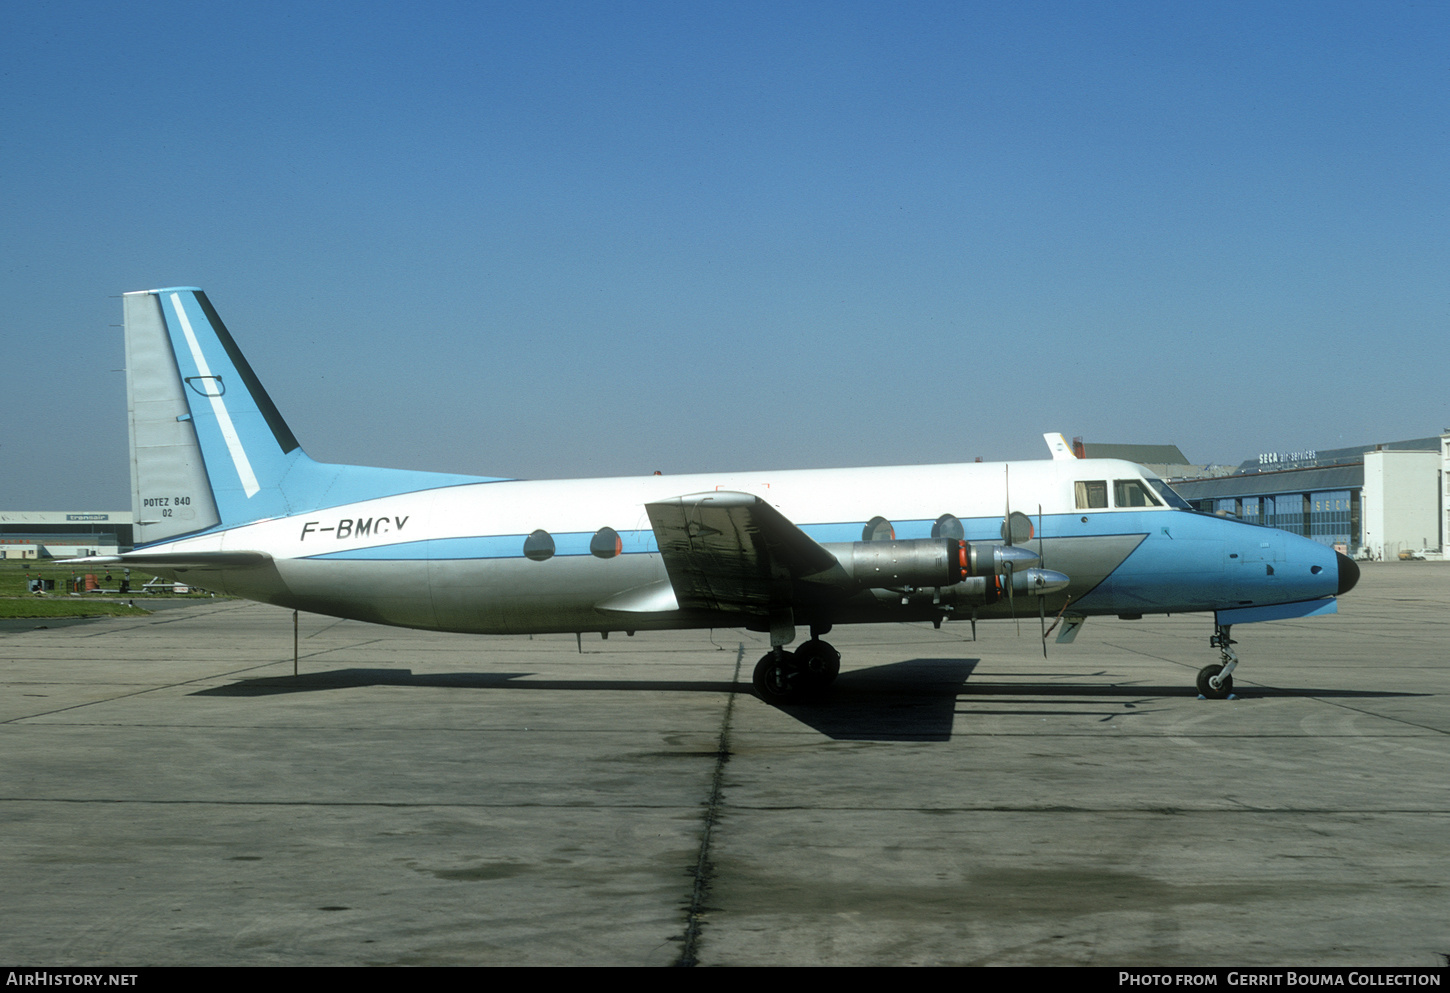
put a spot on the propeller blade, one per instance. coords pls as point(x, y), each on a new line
point(1007, 537)
point(1041, 604)
point(1007, 507)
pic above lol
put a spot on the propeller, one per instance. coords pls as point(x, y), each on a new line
point(1017, 528)
point(1041, 603)
point(1007, 537)
point(1011, 525)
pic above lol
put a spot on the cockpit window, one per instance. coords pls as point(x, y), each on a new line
point(1169, 496)
point(1132, 493)
point(1091, 494)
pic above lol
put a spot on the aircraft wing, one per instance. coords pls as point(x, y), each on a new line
point(733, 551)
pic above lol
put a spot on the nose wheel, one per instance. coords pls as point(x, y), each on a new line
point(1213, 684)
point(1216, 682)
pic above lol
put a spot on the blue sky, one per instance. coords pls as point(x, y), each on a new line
point(606, 238)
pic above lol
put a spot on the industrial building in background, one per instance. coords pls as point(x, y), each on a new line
point(60, 534)
point(1383, 501)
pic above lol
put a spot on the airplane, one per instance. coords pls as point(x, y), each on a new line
point(224, 496)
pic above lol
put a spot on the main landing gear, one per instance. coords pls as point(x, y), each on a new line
point(1216, 682)
point(783, 677)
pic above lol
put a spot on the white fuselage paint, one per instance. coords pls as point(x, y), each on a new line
point(427, 586)
point(808, 497)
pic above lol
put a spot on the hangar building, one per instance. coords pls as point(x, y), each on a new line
point(39, 534)
point(1372, 501)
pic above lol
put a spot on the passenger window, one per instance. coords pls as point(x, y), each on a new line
point(947, 526)
point(878, 529)
point(1132, 493)
point(539, 546)
point(1016, 528)
point(1092, 494)
point(606, 543)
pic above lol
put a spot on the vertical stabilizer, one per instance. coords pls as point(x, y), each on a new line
point(170, 493)
point(208, 447)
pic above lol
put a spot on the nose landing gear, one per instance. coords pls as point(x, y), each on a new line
point(1215, 682)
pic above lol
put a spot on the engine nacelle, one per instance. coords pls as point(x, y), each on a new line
point(928, 562)
point(984, 590)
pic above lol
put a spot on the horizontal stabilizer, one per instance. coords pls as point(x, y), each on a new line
point(177, 560)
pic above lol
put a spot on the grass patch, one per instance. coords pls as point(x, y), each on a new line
point(15, 575)
point(66, 606)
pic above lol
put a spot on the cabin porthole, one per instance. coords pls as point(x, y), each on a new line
point(606, 543)
point(539, 546)
point(878, 529)
point(947, 526)
point(1017, 528)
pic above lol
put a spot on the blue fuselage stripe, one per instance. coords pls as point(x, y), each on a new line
point(503, 546)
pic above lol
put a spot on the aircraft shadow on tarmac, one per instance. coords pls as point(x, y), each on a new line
point(912, 700)
point(342, 679)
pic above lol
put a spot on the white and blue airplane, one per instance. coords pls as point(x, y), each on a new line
point(225, 497)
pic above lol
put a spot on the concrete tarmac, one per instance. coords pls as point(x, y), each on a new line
point(170, 794)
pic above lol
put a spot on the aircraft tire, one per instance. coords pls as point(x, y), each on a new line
point(1226, 685)
point(820, 662)
point(779, 680)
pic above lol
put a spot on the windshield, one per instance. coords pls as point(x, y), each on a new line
point(1169, 496)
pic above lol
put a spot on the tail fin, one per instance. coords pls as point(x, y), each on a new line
point(208, 447)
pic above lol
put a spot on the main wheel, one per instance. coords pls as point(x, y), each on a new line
point(1225, 685)
point(820, 662)
point(778, 679)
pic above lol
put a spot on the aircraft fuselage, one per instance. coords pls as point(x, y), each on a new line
point(453, 558)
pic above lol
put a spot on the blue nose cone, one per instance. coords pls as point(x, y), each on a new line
point(1348, 573)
